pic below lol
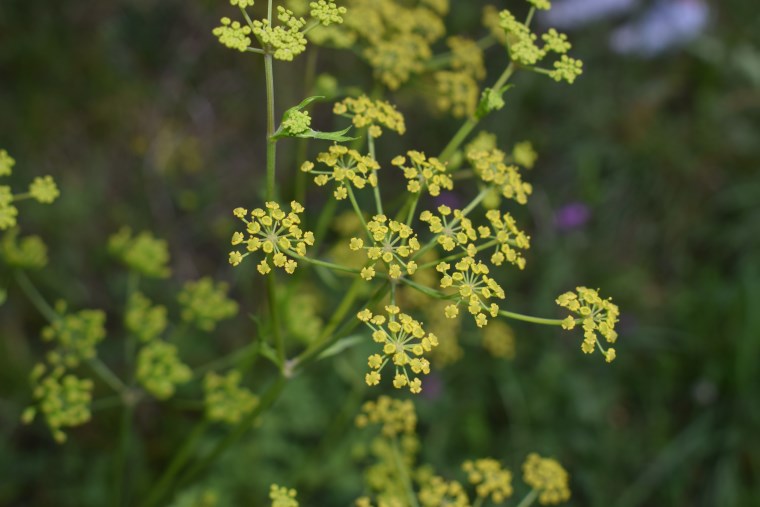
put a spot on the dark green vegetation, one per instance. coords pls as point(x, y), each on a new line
point(145, 120)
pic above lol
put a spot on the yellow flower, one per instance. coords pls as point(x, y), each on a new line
point(457, 93)
point(490, 479)
point(365, 112)
point(437, 492)
point(276, 233)
point(424, 173)
point(282, 497)
point(466, 56)
point(546, 476)
point(285, 41)
point(491, 167)
point(233, 35)
point(345, 167)
point(450, 232)
point(596, 315)
point(474, 288)
point(397, 417)
point(393, 243)
point(404, 343)
point(509, 239)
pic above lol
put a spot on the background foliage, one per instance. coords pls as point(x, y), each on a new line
point(144, 120)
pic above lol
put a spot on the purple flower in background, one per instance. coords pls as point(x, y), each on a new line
point(449, 199)
point(572, 216)
point(432, 387)
point(569, 14)
point(669, 24)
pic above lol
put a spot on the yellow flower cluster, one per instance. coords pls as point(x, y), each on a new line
point(276, 233)
point(524, 154)
point(395, 35)
point(597, 315)
point(327, 12)
point(346, 167)
point(365, 112)
point(225, 400)
point(508, 237)
point(205, 303)
point(76, 335)
point(64, 400)
point(143, 319)
point(143, 254)
point(491, 167)
point(546, 476)
point(566, 69)
point(397, 417)
point(457, 92)
point(285, 41)
point(6, 163)
point(489, 478)
point(499, 340)
point(424, 173)
point(28, 252)
point(160, 370)
point(523, 47)
point(474, 288)
point(438, 491)
point(42, 189)
point(450, 233)
point(467, 57)
point(392, 242)
point(282, 496)
point(404, 344)
point(233, 35)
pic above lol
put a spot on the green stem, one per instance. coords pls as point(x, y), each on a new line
point(376, 188)
point(340, 313)
point(528, 318)
point(274, 315)
point(121, 490)
point(36, 298)
point(469, 125)
point(324, 264)
point(529, 499)
point(108, 376)
point(403, 474)
point(478, 501)
point(358, 210)
point(456, 256)
point(228, 360)
point(161, 488)
point(267, 400)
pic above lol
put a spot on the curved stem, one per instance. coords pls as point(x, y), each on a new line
point(531, 319)
point(403, 474)
point(325, 264)
point(36, 298)
point(529, 499)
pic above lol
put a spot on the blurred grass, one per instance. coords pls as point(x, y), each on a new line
point(146, 121)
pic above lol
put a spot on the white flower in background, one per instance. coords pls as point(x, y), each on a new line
point(667, 25)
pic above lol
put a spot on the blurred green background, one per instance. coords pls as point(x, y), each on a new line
point(146, 121)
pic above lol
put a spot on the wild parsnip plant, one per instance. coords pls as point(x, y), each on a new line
point(412, 269)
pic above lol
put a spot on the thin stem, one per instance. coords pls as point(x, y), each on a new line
point(529, 318)
point(376, 188)
point(36, 298)
point(121, 490)
point(160, 489)
point(267, 400)
point(340, 313)
point(458, 255)
point(108, 376)
point(256, 50)
point(271, 143)
point(358, 210)
point(324, 264)
point(228, 360)
point(529, 499)
point(478, 501)
point(403, 475)
point(274, 315)
point(469, 125)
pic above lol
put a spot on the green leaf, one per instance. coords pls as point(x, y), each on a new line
point(491, 100)
point(338, 136)
point(341, 345)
